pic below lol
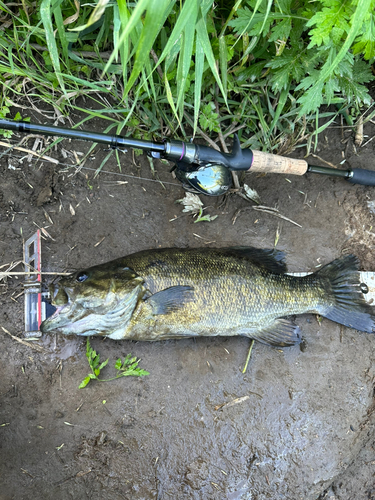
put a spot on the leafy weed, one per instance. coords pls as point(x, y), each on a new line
point(127, 368)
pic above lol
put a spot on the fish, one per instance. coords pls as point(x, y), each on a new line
point(172, 293)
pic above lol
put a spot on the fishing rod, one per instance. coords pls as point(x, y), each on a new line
point(200, 168)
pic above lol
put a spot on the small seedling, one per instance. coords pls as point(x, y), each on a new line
point(202, 218)
point(127, 368)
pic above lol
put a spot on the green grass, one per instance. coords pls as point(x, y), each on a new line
point(192, 67)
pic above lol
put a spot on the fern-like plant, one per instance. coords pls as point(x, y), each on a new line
point(316, 49)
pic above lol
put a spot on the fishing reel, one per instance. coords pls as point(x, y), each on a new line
point(211, 180)
point(204, 178)
point(204, 170)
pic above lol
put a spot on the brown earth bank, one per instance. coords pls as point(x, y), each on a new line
point(302, 422)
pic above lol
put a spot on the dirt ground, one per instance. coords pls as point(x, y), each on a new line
point(162, 436)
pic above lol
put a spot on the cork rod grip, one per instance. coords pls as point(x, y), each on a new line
point(266, 162)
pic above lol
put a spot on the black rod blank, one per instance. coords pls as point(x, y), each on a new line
point(113, 141)
point(354, 176)
point(335, 172)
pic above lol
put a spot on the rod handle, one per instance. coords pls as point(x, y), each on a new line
point(269, 163)
point(362, 176)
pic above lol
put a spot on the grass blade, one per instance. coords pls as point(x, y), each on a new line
point(188, 15)
point(61, 31)
point(95, 15)
point(223, 61)
point(152, 25)
point(204, 41)
point(185, 57)
point(280, 106)
point(129, 25)
point(199, 67)
point(116, 26)
point(170, 97)
point(46, 17)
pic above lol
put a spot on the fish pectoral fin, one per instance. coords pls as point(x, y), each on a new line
point(171, 299)
point(281, 333)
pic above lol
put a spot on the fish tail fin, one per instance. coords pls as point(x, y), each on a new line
point(346, 303)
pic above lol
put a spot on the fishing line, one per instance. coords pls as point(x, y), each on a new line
point(77, 167)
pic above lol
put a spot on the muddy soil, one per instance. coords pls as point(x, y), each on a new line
point(163, 436)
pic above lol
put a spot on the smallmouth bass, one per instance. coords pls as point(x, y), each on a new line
point(175, 293)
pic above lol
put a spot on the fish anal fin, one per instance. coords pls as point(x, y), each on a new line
point(170, 299)
point(281, 333)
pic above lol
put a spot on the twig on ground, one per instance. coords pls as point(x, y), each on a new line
point(24, 342)
point(232, 403)
point(248, 356)
point(29, 151)
point(365, 144)
point(324, 161)
point(16, 273)
point(276, 213)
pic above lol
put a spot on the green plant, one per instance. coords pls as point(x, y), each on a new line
point(163, 67)
point(316, 48)
point(126, 368)
point(4, 111)
point(209, 119)
point(204, 218)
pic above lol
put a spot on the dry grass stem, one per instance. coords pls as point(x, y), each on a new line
point(205, 136)
point(232, 403)
point(365, 144)
point(359, 132)
point(11, 266)
point(324, 161)
point(98, 243)
point(276, 213)
point(16, 273)
point(29, 151)
point(24, 342)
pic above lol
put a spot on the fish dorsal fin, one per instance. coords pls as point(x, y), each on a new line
point(171, 299)
point(270, 259)
point(281, 333)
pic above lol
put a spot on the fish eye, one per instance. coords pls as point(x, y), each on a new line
point(82, 276)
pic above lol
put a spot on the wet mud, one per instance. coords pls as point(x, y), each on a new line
point(298, 425)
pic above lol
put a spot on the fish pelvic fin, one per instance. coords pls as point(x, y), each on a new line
point(281, 333)
point(347, 305)
point(170, 299)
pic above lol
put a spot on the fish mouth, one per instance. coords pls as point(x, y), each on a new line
point(58, 310)
point(56, 319)
point(63, 305)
